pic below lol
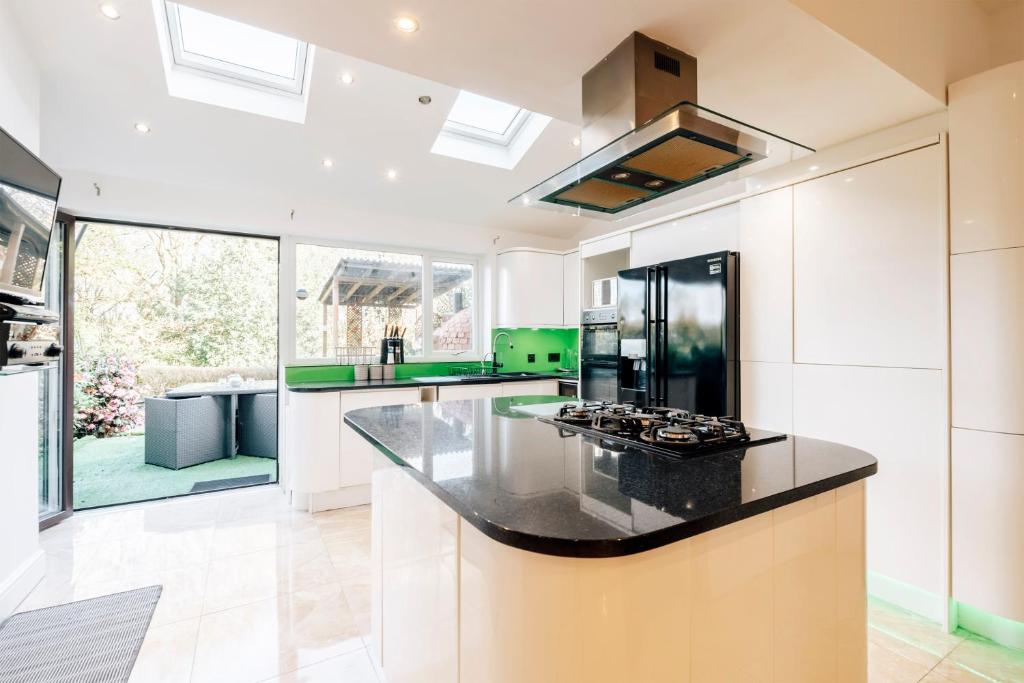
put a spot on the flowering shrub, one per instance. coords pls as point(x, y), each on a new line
point(106, 399)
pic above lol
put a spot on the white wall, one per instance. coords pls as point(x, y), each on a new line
point(842, 337)
point(198, 206)
point(21, 562)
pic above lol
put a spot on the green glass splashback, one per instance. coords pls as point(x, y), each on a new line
point(540, 342)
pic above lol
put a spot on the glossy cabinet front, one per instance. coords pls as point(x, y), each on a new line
point(529, 289)
point(779, 596)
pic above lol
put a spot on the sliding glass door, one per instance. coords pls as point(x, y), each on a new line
point(175, 362)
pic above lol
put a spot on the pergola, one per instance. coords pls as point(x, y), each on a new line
point(392, 282)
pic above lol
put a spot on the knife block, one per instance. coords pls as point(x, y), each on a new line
point(393, 347)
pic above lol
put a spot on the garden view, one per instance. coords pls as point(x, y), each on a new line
point(157, 309)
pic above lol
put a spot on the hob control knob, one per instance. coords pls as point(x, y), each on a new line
point(53, 350)
point(16, 351)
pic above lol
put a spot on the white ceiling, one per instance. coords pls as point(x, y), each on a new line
point(761, 61)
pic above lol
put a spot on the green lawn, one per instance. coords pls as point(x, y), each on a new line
point(113, 470)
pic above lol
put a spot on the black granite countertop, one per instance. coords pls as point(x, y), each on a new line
point(520, 482)
point(353, 385)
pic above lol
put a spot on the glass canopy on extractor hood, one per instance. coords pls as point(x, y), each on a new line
point(682, 150)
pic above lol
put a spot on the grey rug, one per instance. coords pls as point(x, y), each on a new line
point(233, 482)
point(89, 641)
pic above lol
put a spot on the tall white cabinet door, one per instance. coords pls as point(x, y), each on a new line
point(356, 453)
point(907, 499)
point(766, 277)
point(986, 166)
point(701, 233)
point(571, 288)
point(529, 289)
point(987, 338)
point(869, 264)
point(313, 417)
point(988, 546)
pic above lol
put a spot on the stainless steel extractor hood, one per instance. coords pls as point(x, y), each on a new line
point(644, 136)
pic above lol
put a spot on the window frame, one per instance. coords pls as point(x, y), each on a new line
point(289, 284)
point(229, 71)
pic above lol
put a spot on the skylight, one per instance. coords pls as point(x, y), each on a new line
point(230, 49)
point(479, 116)
point(488, 131)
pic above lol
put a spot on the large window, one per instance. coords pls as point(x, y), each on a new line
point(348, 300)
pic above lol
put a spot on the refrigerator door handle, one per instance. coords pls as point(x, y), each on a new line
point(663, 335)
point(651, 334)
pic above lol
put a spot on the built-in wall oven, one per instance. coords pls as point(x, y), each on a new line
point(599, 355)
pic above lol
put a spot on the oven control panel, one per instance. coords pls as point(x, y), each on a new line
point(597, 316)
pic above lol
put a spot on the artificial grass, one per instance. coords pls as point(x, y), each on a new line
point(113, 470)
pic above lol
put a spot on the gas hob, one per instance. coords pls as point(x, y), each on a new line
point(668, 431)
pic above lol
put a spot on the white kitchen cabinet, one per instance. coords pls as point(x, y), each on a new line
point(870, 262)
point(986, 166)
point(701, 233)
point(313, 418)
point(907, 500)
point(529, 289)
point(987, 297)
point(766, 277)
point(464, 392)
point(571, 289)
point(547, 387)
point(766, 395)
point(356, 453)
point(330, 465)
point(988, 547)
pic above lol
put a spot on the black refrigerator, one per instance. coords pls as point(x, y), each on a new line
point(679, 334)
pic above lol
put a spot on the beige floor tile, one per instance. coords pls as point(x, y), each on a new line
point(241, 579)
point(912, 629)
point(352, 523)
point(166, 654)
point(977, 659)
point(888, 667)
point(354, 667)
point(265, 639)
point(894, 642)
point(358, 594)
point(236, 538)
point(936, 677)
point(351, 557)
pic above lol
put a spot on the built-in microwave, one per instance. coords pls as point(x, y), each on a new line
point(605, 292)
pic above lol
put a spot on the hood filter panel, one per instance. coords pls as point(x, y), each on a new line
point(675, 161)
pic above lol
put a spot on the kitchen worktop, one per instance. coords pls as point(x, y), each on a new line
point(353, 385)
point(521, 483)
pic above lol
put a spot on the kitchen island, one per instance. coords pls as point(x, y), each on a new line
point(506, 549)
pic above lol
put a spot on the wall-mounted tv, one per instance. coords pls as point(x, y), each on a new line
point(28, 207)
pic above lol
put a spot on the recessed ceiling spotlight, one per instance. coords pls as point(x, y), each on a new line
point(575, 142)
point(142, 127)
point(392, 174)
point(425, 99)
point(108, 10)
point(621, 175)
point(848, 179)
point(526, 200)
point(327, 163)
point(654, 184)
point(346, 78)
point(812, 168)
point(407, 24)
